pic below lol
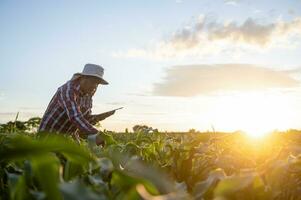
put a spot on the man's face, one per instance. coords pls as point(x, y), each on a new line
point(88, 84)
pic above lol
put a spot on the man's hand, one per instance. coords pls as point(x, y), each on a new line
point(96, 139)
point(100, 140)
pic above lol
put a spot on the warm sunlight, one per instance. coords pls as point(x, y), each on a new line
point(255, 113)
point(210, 91)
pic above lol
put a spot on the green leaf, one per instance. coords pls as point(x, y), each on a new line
point(17, 186)
point(109, 140)
point(106, 168)
point(20, 147)
point(46, 170)
point(72, 170)
point(201, 188)
point(231, 185)
point(77, 191)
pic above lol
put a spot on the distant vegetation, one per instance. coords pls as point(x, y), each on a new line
point(148, 164)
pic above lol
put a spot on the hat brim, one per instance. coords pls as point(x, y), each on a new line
point(101, 80)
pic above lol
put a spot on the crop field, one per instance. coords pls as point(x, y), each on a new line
point(147, 164)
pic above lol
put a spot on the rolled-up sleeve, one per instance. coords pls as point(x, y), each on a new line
point(68, 97)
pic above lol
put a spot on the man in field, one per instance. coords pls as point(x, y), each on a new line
point(69, 110)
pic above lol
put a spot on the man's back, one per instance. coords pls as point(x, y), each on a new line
point(68, 111)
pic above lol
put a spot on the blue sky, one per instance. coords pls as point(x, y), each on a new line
point(44, 42)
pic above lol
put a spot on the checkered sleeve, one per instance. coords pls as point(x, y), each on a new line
point(88, 113)
point(68, 97)
point(92, 118)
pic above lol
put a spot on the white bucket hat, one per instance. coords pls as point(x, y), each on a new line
point(92, 70)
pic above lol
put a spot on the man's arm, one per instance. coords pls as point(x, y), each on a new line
point(68, 99)
point(93, 119)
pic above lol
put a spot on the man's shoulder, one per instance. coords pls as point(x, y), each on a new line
point(69, 86)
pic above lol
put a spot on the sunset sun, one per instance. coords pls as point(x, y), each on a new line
point(255, 113)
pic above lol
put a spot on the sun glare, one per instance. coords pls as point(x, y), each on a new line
point(254, 113)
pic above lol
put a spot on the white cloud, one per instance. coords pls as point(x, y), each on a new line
point(206, 37)
point(193, 80)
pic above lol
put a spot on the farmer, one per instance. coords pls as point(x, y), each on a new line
point(69, 110)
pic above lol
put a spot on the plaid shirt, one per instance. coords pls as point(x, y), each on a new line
point(69, 111)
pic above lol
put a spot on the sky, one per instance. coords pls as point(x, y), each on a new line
point(172, 64)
